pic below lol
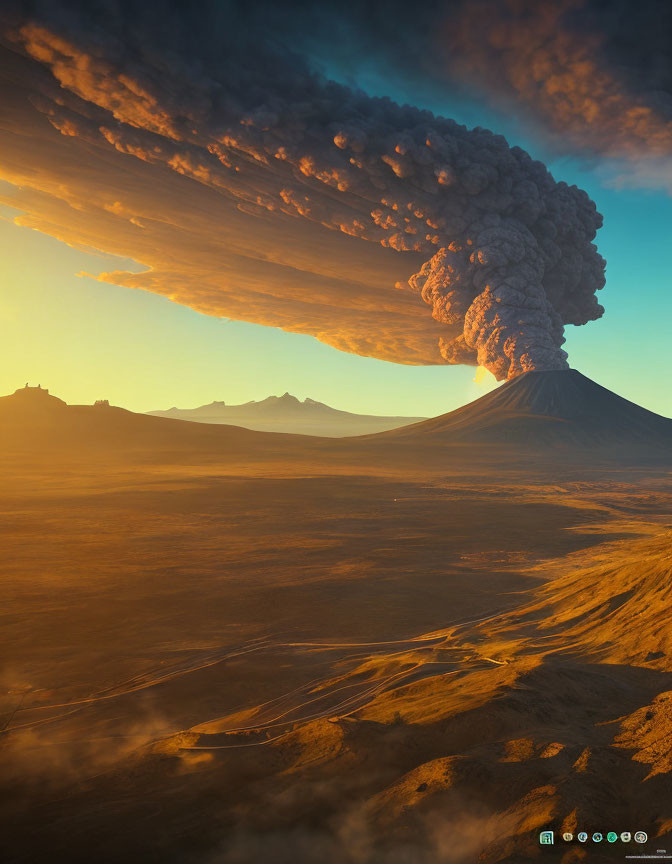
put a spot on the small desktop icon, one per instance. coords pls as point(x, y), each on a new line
point(612, 837)
point(568, 836)
point(597, 837)
point(546, 838)
point(582, 837)
point(641, 836)
point(626, 837)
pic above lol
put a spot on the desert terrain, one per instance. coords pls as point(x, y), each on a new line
point(222, 646)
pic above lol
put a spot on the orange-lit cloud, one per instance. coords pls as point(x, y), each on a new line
point(200, 247)
point(534, 53)
point(97, 81)
point(259, 192)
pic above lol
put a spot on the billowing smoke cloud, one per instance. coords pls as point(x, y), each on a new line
point(590, 77)
point(501, 252)
point(596, 76)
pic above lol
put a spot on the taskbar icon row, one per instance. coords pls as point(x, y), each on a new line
point(547, 838)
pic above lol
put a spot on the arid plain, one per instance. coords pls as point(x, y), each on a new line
point(220, 645)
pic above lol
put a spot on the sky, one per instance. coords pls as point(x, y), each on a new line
point(88, 339)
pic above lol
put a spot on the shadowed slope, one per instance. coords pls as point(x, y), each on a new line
point(556, 407)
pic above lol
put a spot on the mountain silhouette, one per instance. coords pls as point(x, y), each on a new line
point(286, 413)
point(550, 407)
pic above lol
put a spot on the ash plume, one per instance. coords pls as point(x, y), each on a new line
point(596, 77)
point(501, 253)
point(590, 78)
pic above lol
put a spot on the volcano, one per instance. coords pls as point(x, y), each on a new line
point(549, 407)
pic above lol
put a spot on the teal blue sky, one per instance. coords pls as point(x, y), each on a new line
point(86, 340)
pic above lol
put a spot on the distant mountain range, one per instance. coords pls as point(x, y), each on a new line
point(288, 414)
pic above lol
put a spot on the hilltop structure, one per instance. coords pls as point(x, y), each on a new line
point(28, 387)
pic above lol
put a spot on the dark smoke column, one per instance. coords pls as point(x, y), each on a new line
point(509, 325)
point(511, 254)
point(524, 267)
